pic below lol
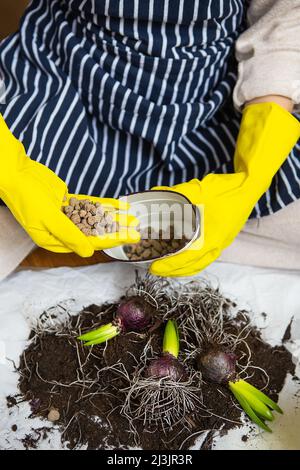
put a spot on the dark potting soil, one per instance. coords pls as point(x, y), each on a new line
point(57, 371)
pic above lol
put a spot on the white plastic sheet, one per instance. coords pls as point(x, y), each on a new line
point(24, 295)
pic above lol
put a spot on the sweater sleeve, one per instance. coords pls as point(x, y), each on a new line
point(15, 244)
point(268, 52)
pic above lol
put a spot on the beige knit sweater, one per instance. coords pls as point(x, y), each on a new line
point(269, 52)
point(269, 63)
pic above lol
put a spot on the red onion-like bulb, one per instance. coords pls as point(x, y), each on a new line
point(134, 314)
point(166, 366)
point(218, 366)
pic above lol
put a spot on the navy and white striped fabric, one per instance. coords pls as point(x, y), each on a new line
point(117, 96)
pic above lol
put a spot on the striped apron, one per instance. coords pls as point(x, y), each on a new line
point(117, 96)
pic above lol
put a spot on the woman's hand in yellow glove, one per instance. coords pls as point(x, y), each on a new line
point(223, 213)
point(34, 194)
point(267, 134)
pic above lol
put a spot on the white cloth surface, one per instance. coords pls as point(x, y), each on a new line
point(24, 295)
point(269, 52)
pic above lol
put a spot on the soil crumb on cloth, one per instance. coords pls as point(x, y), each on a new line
point(81, 387)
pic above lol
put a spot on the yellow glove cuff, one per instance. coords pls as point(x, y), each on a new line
point(267, 135)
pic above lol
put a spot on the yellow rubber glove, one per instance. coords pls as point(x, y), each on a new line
point(35, 194)
point(267, 134)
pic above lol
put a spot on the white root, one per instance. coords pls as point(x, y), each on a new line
point(163, 403)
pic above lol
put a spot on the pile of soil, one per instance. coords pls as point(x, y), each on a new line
point(58, 372)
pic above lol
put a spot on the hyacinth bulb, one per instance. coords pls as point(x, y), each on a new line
point(217, 365)
point(166, 366)
point(134, 314)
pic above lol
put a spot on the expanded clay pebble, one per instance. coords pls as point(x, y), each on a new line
point(91, 218)
point(162, 243)
point(53, 415)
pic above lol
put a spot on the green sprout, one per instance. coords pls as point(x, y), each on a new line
point(171, 339)
point(255, 403)
point(102, 334)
